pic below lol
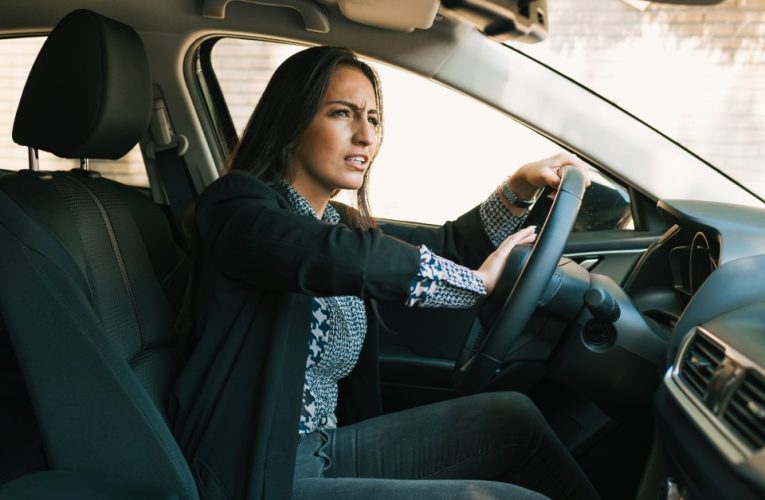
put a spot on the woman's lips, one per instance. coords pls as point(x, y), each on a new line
point(357, 161)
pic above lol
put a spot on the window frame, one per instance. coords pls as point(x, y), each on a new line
point(224, 135)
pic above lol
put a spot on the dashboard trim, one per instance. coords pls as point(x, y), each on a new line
point(734, 450)
point(604, 252)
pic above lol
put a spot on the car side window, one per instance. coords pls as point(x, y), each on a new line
point(443, 153)
point(16, 58)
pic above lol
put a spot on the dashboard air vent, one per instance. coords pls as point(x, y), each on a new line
point(745, 412)
point(699, 363)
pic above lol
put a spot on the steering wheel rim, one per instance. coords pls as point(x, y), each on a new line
point(479, 369)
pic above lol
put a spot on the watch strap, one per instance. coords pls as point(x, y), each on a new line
point(513, 198)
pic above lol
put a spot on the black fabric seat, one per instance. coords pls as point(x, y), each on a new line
point(91, 278)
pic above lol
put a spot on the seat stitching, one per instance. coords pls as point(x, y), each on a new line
point(117, 252)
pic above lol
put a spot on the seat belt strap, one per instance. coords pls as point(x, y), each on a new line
point(168, 149)
point(175, 179)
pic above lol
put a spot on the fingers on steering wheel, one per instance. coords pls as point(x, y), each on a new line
point(530, 236)
point(577, 162)
point(583, 167)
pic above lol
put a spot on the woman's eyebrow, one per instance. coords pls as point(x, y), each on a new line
point(354, 107)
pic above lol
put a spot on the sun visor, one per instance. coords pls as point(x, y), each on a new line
point(398, 15)
point(503, 20)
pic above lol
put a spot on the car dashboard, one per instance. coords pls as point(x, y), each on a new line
point(710, 406)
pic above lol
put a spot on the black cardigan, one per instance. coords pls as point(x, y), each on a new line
point(236, 404)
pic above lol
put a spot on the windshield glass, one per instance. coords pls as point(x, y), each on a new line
point(694, 73)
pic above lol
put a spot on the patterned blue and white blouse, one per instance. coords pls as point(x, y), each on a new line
point(339, 324)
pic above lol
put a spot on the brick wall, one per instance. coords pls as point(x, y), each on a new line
point(714, 103)
point(243, 68)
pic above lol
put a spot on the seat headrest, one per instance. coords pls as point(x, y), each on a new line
point(88, 94)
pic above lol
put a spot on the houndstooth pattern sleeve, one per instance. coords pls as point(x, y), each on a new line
point(498, 222)
point(442, 283)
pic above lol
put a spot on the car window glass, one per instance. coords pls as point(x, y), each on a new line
point(16, 58)
point(694, 73)
point(443, 153)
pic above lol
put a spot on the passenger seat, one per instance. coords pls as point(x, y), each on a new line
point(90, 276)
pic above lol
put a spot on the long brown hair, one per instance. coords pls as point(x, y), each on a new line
point(289, 103)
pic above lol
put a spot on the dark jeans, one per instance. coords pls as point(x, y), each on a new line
point(472, 447)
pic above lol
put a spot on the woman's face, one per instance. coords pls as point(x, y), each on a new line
point(336, 148)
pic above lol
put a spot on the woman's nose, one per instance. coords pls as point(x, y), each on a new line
point(364, 133)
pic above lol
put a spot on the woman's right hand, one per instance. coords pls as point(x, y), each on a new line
point(491, 269)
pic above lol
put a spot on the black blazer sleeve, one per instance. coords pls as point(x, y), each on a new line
point(252, 236)
point(462, 240)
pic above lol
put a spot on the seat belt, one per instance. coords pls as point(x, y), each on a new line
point(167, 149)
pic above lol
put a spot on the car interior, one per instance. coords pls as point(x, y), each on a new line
point(643, 347)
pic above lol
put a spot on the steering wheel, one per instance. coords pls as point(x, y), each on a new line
point(477, 367)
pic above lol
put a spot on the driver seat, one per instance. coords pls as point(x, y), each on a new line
point(91, 278)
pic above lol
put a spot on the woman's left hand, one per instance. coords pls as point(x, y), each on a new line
point(491, 269)
point(531, 177)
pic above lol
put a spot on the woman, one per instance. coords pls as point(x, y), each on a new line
point(285, 283)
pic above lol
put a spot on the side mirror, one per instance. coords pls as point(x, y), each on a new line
point(503, 20)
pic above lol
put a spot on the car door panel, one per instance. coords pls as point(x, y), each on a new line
point(612, 252)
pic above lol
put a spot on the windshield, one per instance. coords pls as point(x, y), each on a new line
point(694, 73)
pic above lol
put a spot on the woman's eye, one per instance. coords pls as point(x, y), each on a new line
point(342, 112)
point(374, 121)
